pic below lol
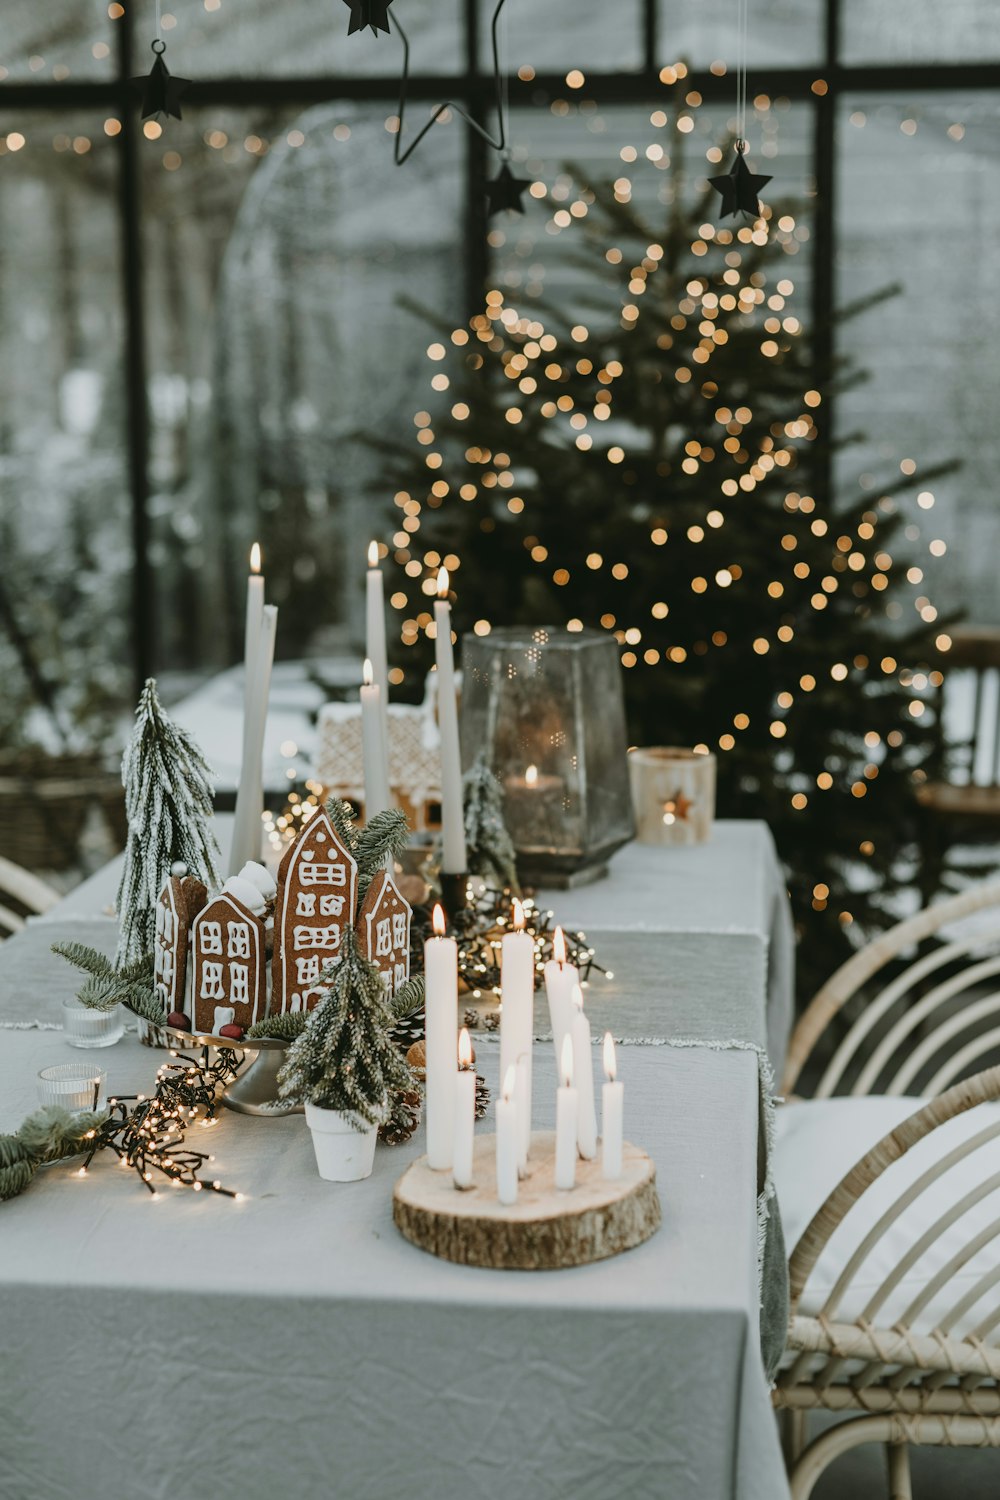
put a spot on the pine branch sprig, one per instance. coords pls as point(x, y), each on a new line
point(109, 984)
point(283, 1027)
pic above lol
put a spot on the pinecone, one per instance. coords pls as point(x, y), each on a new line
point(492, 1021)
point(404, 1117)
point(472, 1019)
point(408, 1030)
point(482, 1097)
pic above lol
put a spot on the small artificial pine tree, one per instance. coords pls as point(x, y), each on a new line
point(651, 460)
point(489, 850)
point(168, 800)
point(344, 1059)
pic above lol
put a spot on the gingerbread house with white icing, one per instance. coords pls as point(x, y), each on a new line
point(384, 930)
point(315, 903)
point(229, 966)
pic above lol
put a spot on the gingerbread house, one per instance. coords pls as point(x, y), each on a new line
point(229, 966)
point(384, 931)
point(315, 902)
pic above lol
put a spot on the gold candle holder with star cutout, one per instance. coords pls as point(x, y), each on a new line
point(673, 793)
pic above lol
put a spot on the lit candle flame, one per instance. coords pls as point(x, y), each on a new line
point(367, 673)
point(509, 1083)
point(437, 920)
point(443, 583)
point(255, 558)
point(531, 776)
point(576, 995)
point(373, 554)
point(559, 946)
point(566, 1065)
point(464, 1049)
point(610, 1066)
point(517, 916)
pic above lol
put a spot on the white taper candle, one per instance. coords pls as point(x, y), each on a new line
point(612, 1111)
point(506, 1112)
point(566, 1112)
point(583, 1072)
point(441, 1026)
point(465, 1114)
point(452, 808)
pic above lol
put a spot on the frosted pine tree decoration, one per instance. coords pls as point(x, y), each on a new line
point(345, 1060)
point(168, 799)
point(490, 850)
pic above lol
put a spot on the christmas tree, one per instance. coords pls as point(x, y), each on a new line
point(651, 460)
point(344, 1059)
point(489, 850)
point(168, 799)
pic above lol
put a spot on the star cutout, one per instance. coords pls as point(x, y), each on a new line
point(738, 188)
point(371, 13)
point(677, 808)
point(505, 190)
point(161, 92)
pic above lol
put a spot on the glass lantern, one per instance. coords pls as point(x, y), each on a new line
point(546, 708)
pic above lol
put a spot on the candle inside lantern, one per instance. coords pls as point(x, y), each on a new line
point(375, 646)
point(465, 1114)
point(583, 1071)
point(566, 1120)
point(612, 1109)
point(373, 754)
point(560, 977)
point(441, 1024)
point(452, 809)
point(517, 1011)
point(507, 1137)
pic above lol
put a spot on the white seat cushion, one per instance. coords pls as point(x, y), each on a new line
point(818, 1141)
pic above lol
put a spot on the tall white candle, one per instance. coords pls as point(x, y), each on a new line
point(452, 809)
point(242, 847)
point(375, 646)
point(465, 1114)
point(612, 1110)
point(566, 1113)
point(523, 1114)
point(507, 1127)
point(560, 977)
point(517, 1009)
point(583, 1072)
point(373, 754)
point(441, 1026)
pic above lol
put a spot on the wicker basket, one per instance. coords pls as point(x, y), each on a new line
point(44, 803)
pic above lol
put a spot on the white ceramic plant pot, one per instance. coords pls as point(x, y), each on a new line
point(343, 1153)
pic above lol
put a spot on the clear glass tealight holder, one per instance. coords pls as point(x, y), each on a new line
point(74, 1086)
point(85, 1027)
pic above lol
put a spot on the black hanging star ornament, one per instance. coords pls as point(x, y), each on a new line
point(505, 190)
point(161, 92)
point(738, 188)
point(372, 13)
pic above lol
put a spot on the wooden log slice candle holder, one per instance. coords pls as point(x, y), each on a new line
point(546, 1229)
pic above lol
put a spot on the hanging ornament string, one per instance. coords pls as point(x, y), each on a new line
point(738, 188)
point(498, 142)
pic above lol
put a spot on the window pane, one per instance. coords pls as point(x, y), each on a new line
point(780, 33)
point(920, 31)
point(56, 40)
point(560, 35)
point(539, 253)
point(64, 510)
point(254, 38)
point(916, 209)
point(278, 249)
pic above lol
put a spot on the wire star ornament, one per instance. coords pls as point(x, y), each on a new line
point(738, 188)
point(505, 190)
point(162, 90)
point(373, 14)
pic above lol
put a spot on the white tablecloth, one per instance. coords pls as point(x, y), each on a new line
point(294, 1345)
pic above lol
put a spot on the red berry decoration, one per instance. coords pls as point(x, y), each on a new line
point(179, 1021)
point(234, 1033)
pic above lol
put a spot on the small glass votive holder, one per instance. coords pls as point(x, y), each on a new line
point(74, 1086)
point(83, 1026)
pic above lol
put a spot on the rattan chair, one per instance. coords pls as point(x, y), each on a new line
point(28, 893)
point(916, 1352)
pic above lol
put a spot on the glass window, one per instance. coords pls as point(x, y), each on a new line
point(65, 533)
point(780, 33)
point(254, 38)
point(57, 41)
point(919, 31)
point(281, 354)
point(915, 212)
point(562, 35)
